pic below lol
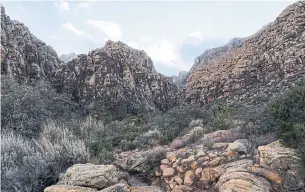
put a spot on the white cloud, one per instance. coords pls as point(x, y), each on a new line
point(195, 34)
point(194, 37)
point(145, 39)
point(70, 27)
point(133, 44)
point(163, 52)
point(83, 5)
point(112, 30)
point(63, 5)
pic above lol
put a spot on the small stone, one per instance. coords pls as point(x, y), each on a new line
point(165, 161)
point(182, 188)
point(175, 165)
point(212, 155)
point(205, 163)
point(172, 185)
point(200, 154)
point(189, 160)
point(178, 180)
point(189, 178)
point(198, 172)
point(168, 172)
point(215, 161)
point(158, 173)
point(204, 158)
point(162, 167)
point(219, 145)
point(194, 165)
point(180, 169)
point(176, 144)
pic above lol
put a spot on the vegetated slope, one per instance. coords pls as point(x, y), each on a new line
point(23, 56)
point(267, 62)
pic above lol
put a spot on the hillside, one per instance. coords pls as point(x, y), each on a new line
point(23, 56)
point(269, 61)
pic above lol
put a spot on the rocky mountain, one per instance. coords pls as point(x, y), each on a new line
point(118, 76)
point(268, 61)
point(23, 56)
point(180, 78)
point(67, 57)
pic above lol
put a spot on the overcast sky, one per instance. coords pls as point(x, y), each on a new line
point(171, 33)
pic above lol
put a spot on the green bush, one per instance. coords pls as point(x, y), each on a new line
point(289, 114)
point(173, 122)
point(25, 107)
point(221, 118)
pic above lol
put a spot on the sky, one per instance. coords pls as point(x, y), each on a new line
point(172, 33)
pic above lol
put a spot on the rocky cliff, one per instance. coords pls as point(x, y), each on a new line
point(23, 56)
point(116, 75)
point(268, 61)
point(179, 79)
point(67, 57)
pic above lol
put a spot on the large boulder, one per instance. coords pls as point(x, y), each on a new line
point(242, 146)
point(94, 176)
point(140, 161)
point(145, 189)
point(242, 182)
point(120, 187)
point(68, 188)
point(276, 156)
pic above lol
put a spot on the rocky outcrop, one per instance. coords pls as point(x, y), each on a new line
point(116, 75)
point(180, 79)
point(67, 57)
point(258, 66)
point(23, 56)
point(93, 176)
point(226, 167)
point(68, 188)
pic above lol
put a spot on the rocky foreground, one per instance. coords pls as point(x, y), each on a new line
point(218, 166)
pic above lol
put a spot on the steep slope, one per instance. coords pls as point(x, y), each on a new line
point(67, 57)
point(268, 61)
point(180, 78)
point(23, 56)
point(117, 76)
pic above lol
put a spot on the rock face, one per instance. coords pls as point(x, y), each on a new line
point(271, 60)
point(116, 75)
point(180, 79)
point(23, 56)
point(94, 176)
point(67, 57)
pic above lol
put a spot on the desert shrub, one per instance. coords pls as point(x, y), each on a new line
point(257, 118)
point(25, 107)
point(155, 156)
point(174, 121)
point(221, 118)
point(289, 114)
point(30, 165)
